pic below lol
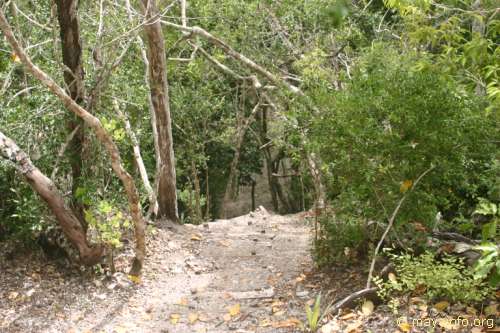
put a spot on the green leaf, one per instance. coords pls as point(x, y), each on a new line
point(489, 230)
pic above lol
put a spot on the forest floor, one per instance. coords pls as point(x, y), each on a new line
point(253, 273)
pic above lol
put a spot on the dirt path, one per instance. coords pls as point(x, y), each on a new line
point(238, 275)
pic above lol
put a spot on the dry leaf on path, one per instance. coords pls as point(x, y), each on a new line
point(348, 316)
point(135, 279)
point(234, 310)
point(405, 327)
point(290, 322)
point(196, 237)
point(174, 318)
point(441, 306)
point(183, 301)
point(193, 318)
point(367, 308)
point(119, 329)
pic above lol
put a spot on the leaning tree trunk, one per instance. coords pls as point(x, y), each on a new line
point(41, 184)
point(166, 190)
point(73, 78)
point(102, 135)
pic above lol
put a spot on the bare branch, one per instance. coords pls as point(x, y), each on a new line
point(390, 224)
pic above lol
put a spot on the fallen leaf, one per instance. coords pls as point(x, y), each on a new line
point(290, 322)
point(279, 313)
point(348, 316)
point(174, 318)
point(119, 329)
point(367, 308)
point(147, 316)
point(183, 301)
point(15, 58)
point(354, 327)
point(234, 310)
point(300, 278)
point(392, 277)
point(405, 186)
point(13, 295)
point(265, 323)
point(196, 237)
point(441, 306)
point(192, 317)
point(405, 327)
point(135, 279)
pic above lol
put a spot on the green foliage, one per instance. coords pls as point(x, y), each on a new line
point(109, 223)
point(461, 36)
point(446, 278)
point(389, 125)
point(313, 315)
point(488, 266)
point(340, 238)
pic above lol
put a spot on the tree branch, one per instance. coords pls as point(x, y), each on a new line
point(236, 56)
point(389, 226)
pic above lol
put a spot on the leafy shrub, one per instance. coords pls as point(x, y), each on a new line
point(340, 239)
point(109, 223)
point(488, 266)
point(390, 124)
point(437, 278)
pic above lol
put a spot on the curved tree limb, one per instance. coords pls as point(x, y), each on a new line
point(391, 223)
point(41, 184)
point(236, 56)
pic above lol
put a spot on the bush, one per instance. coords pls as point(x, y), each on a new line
point(340, 240)
point(391, 123)
point(447, 278)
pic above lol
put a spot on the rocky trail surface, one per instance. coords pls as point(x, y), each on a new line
point(240, 275)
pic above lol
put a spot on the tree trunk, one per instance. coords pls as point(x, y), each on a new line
point(102, 135)
point(41, 184)
point(166, 191)
point(73, 78)
point(153, 210)
point(241, 128)
point(197, 193)
point(138, 158)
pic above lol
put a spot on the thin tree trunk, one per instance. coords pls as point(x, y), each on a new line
point(41, 184)
point(207, 194)
point(167, 195)
point(478, 27)
point(152, 210)
point(232, 185)
point(101, 134)
point(138, 158)
point(197, 193)
point(71, 47)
